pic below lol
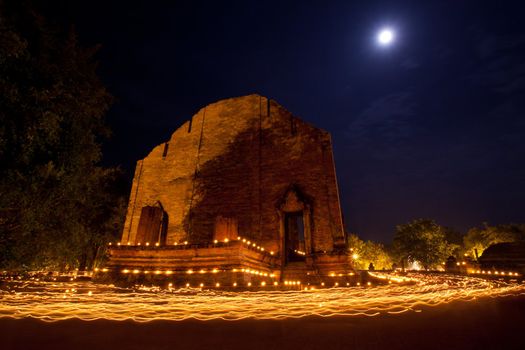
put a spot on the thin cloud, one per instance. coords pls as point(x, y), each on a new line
point(388, 118)
point(410, 63)
point(502, 66)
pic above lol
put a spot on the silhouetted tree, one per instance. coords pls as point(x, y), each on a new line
point(57, 207)
point(454, 240)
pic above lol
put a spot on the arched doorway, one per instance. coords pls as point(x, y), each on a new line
point(153, 225)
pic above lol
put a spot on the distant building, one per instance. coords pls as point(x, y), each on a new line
point(504, 256)
point(243, 187)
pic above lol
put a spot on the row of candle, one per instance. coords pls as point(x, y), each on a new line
point(225, 240)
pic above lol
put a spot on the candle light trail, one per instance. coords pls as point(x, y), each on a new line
point(54, 301)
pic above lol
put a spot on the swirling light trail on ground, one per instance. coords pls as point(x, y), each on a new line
point(54, 301)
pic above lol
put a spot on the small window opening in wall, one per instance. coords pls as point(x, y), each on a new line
point(165, 152)
point(293, 126)
point(189, 125)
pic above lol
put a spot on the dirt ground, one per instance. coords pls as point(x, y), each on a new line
point(484, 324)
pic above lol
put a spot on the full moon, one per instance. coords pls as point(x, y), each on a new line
point(385, 37)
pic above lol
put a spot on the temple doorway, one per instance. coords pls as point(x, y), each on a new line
point(294, 237)
point(153, 226)
point(295, 229)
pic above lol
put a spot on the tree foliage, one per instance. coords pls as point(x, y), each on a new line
point(369, 252)
point(422, 241)
point(57, 206)
point(480, 238)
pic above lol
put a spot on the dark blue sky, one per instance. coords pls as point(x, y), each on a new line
point(432, 126)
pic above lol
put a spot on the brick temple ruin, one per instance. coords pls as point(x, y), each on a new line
point(244, 192)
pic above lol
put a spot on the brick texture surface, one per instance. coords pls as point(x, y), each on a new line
point(234, 162)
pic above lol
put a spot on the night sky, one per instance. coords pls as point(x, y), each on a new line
point(431, 126)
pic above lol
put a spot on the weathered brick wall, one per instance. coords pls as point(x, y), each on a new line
point(236, 159)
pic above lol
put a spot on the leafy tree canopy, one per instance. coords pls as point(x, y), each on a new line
point(422, 241)
point(57, 206)
point(369, 252)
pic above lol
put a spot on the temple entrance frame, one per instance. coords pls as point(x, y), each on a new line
point(293, 203)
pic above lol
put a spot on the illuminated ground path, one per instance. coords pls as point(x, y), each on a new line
point(86, 301)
